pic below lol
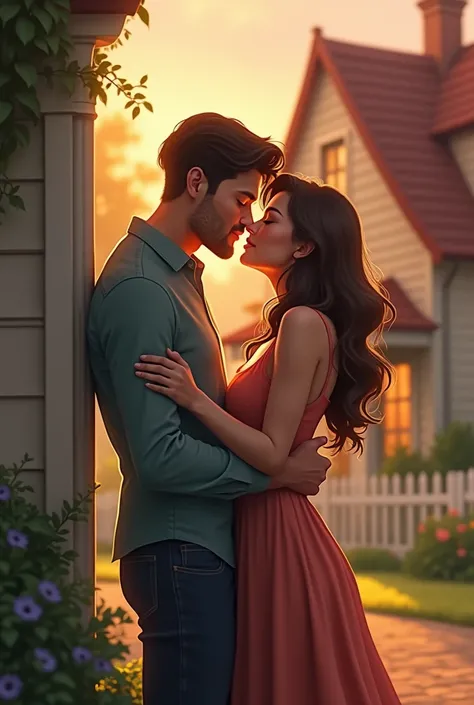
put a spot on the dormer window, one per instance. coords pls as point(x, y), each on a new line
point(334, 158)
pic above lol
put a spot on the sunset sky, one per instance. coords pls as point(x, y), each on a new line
point(247, 63)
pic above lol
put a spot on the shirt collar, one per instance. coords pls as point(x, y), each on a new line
point(165, 248)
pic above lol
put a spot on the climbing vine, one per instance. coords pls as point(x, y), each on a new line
point(36, 49)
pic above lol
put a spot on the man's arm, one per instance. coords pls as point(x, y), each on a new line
point(137, 316)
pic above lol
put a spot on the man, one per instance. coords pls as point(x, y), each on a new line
point(174, 529)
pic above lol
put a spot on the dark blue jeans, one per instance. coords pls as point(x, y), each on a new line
point(184, 596)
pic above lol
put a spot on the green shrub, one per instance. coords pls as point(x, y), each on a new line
point(453, 448)
point(372, 560)
point(444, 549)
point(49, 652)
point(402, 462)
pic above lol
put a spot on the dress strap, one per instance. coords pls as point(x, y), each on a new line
point(332, 345)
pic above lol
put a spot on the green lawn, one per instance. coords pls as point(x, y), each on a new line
point(387, 593)
point(395, 593)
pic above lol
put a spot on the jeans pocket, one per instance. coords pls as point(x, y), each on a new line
point(138, 579)
point(198, 560)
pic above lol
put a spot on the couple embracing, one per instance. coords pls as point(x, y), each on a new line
point(243, 596)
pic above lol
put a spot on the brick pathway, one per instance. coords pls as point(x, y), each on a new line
point(429, 663)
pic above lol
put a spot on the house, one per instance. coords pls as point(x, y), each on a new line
point(395, 131)
point(46, 278)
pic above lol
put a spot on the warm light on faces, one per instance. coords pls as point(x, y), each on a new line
point(220, 219)
point(271, 246)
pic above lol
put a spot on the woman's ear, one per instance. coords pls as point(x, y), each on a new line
point(305, 249)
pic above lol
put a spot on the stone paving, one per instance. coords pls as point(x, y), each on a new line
point(429, 663)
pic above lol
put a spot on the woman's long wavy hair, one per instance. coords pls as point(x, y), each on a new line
point(339, 280)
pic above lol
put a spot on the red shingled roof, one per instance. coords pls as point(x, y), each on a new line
point(456, 104)
point(392, 98)
point(409, 317)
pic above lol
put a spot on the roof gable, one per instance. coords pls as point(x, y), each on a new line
point(408, 316)
point(392, 98)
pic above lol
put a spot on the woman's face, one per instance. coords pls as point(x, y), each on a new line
point(271, 246)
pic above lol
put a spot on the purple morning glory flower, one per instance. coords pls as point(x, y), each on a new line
point(5, 493)
point(49, 591)
point(27, 609)
point(10, 687)
point(81, 654)
point(103, 665)
point(46, 659)
point(16, 539)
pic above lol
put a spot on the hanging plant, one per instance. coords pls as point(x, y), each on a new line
point(36, 46)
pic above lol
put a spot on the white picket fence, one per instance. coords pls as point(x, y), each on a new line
point(383, 512)
point(380, 512)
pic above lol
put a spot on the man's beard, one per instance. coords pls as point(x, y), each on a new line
point(209, 227)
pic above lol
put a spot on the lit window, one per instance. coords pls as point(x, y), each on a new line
point(335, 165)
point(397, 425)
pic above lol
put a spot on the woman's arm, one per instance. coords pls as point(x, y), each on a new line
point(300, 346)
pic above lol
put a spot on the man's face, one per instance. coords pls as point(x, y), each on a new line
point(219, 220)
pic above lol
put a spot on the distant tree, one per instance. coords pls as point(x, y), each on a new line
point(120, 182)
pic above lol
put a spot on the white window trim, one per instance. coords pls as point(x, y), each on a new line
point(329, 138)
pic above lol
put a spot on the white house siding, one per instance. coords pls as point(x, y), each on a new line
point(462, 343)
point(424, 399)
point(394, 246)
point(462, 147)
point(22, 319)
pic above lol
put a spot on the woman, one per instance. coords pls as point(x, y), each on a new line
point(302, 637)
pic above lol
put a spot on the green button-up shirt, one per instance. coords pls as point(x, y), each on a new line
point(178, 482)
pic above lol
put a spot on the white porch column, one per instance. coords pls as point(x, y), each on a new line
point(46, 278)
point(69, 279)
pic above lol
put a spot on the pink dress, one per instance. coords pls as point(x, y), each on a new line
point(302, 636)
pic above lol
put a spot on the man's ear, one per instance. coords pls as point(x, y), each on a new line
point(196, 183)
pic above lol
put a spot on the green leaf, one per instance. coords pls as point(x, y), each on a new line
point(44, 18)
point(27, 73)
point(7, 12)
point(23, 136)
point(42, 633)
point(9, 637)
point(48, 5)
point(53, 43)
point(25, 30)
point(63, 679)
point(69, 82)
point(30, 101)
point(4, 567)
point(4, 79)
point(144, 15)
point(41, 44)
point(102, 95)
point(5, 110)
